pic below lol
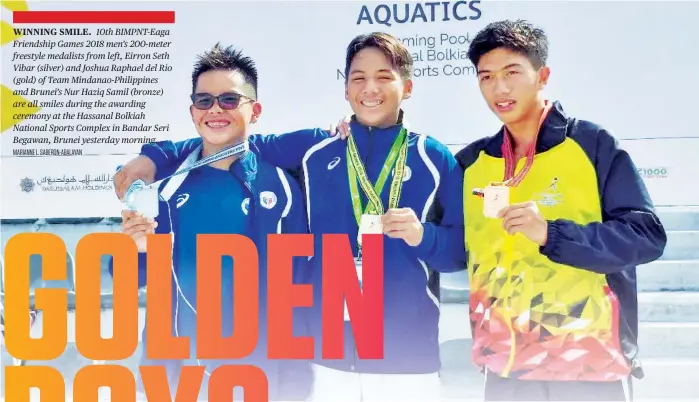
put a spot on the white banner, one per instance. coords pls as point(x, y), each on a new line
point(76, 96)
point(60, 187)
point(666, 166)
point(669, 167)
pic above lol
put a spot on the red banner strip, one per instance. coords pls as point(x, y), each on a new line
point(93, 17)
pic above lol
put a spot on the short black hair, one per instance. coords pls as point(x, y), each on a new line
point(392, 47)
point(225, 58)
point(518, 36)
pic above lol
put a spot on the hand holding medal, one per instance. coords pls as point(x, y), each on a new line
point(142, 198)
point(523, 217)
point(526, 219)
point(145, 198)
point(397, 222)
point(402, 223)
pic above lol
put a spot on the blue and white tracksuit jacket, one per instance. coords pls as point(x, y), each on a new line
point(432, 188)
point(288, 380)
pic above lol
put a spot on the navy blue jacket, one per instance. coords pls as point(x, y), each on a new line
point(433, 188)
point(286, 216)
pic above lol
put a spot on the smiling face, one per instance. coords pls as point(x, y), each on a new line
point(510, 84)
point(375, 88)
point(227, 119)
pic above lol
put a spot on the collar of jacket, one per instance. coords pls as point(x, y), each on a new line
point(553, 132)
point(378, 136)
point(245, 167)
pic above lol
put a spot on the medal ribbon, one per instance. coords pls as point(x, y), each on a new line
point(357, 173)
point(509, 155)
point(233, 150)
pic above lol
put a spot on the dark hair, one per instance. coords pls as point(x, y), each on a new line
point(219, 58)
point(392, 47)
point(518, 36)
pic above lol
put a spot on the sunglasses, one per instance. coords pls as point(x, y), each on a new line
point(227, 101)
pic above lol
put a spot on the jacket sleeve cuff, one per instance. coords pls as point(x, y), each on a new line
point(425, 249)
point(550, 249)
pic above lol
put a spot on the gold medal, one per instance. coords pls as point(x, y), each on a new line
point(370, 224)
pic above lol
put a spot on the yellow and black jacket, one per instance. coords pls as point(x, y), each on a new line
point(568, 310)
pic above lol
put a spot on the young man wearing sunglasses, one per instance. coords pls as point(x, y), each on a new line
point(557, 218)
point(222, 198)
point(424, 228)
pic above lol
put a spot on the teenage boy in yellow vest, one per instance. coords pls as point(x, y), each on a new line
point(556, 219)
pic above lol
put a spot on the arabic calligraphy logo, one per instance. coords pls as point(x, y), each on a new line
point(27, 185)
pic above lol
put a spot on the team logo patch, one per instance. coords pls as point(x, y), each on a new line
point(268, 199)
point(407, 173)
point(550, 197)
point(245, 206)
